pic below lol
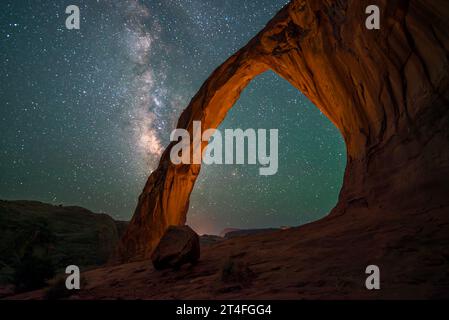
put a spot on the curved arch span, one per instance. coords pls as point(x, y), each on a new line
point(386, 91)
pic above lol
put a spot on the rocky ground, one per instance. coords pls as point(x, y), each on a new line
point(322, 260)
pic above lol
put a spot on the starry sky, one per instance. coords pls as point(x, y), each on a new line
point(85, 114)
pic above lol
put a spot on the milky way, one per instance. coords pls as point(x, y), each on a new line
point(145, 89)
point(86, 113)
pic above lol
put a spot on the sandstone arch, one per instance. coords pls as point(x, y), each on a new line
point(386, 91)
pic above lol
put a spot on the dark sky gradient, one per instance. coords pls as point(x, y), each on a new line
point(85, 113)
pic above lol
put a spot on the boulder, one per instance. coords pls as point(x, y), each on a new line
point(178, 246)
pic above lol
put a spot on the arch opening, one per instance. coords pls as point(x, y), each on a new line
point(311, 159)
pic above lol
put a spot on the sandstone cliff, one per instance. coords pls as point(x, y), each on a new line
point(386, 91)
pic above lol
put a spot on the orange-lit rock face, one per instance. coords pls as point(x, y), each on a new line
point(385, 90)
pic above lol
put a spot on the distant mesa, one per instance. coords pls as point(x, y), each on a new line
point(51, 237)
point(227, 230)
point(233, 233)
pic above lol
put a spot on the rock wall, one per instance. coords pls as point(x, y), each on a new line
point(53, 236)
point(385, 90)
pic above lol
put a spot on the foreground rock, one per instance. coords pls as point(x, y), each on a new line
point(178, 246)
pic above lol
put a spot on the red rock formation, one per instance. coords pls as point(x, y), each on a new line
point(385, 90)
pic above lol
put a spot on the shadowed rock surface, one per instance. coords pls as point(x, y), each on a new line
point(385, 90)
point(178, 246)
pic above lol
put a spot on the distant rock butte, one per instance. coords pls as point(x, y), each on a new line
point(227, 230)
point(67, 235)
point(387, 92)
point(232, 233)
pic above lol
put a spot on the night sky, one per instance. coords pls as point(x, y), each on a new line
point(85, 114)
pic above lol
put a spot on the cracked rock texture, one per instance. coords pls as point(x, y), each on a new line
point(385, 90)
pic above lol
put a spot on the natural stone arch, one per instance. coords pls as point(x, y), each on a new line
point(385, 90)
